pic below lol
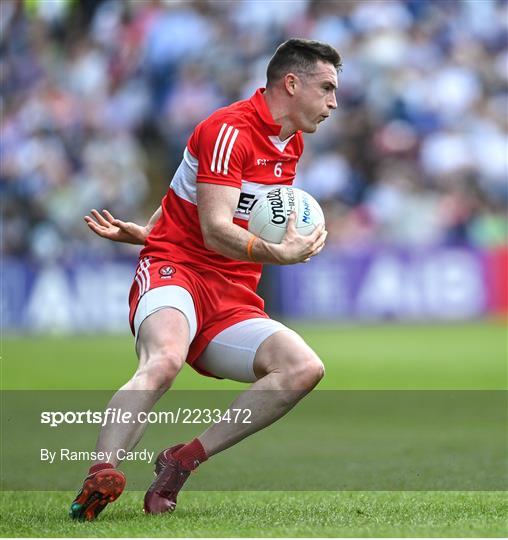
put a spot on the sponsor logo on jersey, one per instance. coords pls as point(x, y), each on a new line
point(246, 203)
point(166, 272)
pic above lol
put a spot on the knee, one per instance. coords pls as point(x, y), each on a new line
point(159, 369)
point(295, 364)
point(306, 371)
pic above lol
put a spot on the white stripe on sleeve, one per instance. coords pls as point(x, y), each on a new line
point(223, 147)
point(230, 148)
point(217, 143)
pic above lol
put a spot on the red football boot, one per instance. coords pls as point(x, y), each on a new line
point(163, 457)
point(98, 490)
point(171, 476)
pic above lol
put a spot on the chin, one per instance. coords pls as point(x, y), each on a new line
point(310, 129)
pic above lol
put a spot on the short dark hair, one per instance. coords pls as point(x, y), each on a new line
point(300, 56)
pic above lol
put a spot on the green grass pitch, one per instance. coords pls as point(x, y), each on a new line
point(458, 356)
point(271, 514)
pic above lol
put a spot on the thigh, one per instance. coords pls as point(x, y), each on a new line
point(231, 354)
point(163, 334)
point(284, 351)
point(168, 296)
point(157, 285)
point(165, 324)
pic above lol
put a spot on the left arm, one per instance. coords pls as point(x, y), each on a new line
point(114, 229)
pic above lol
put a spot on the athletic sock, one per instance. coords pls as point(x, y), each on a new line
point(191, 455)
point(99, 467)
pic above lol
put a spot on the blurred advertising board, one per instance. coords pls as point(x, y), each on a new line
point(382, 284)
point(82, 296)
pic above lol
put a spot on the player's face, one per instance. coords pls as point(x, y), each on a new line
point(315, 97)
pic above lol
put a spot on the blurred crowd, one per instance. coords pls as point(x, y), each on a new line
point(99, 98)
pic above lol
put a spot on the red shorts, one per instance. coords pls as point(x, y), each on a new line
point(219, 302)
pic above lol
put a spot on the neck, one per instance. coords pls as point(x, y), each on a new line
point(279, 113)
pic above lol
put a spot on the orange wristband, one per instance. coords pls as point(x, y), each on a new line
point(250, 245)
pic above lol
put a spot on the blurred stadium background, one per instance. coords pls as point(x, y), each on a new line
point(99, 97)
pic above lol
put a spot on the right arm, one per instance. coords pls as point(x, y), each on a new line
point(121, 231)
point(216, 207)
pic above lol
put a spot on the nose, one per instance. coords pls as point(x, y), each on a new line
point(332, 102)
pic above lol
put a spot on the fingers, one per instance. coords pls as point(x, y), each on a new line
point(304, 247)
point(319, 241)
point(95, 227)
point(116, 222)
point(109, 217)
point(317, 251)
point(99, 225)
point(92, 223)
point(102, 225)
point(317, 246)
point(107, 220)
point(99, 218)
point(317, 233)
point(291, 228)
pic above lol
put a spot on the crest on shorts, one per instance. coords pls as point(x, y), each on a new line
point(166, 272)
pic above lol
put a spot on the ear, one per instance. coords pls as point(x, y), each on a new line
point(290, 83)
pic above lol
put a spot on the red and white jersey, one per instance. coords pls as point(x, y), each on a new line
point(236, 146)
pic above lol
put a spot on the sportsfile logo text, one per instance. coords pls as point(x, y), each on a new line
point(119, 416)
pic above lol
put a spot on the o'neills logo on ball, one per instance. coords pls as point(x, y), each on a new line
point(276, 205)
point(166, 272)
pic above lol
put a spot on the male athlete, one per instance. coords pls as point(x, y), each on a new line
point(194, 294)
